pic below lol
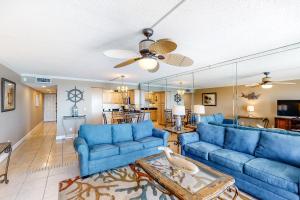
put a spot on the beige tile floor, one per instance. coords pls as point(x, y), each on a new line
point(39, 164)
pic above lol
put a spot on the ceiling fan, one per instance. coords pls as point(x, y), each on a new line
point(151, 52)
point(267, 82)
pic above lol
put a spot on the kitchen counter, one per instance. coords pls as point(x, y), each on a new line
point(149, 108)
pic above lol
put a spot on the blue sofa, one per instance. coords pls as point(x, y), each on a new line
point(217, 118)
point(265, 163)
point(103, 147)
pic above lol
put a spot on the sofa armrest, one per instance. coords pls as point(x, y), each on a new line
point(81, 146)
point(82, 149)
point(187, 138)
point(161, 134)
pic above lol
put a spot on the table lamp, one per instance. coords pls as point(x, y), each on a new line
point(250, 110)
point(198, 111)
point(178, 111)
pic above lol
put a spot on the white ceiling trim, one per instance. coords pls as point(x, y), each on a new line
point(79, 79)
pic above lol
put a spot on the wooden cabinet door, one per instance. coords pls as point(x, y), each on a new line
point(282, 123)
point(162, 114)
point(158, 115)
point(131, 96)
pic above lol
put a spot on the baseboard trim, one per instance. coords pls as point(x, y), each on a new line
point(64, 137)
point(60, 137)
point(4, 155)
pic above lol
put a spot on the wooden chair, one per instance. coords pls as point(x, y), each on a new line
point(128, 118)
point(188, 116)
point(115, 117)
point(169, 119)
point(104, 118)
point(141, 117)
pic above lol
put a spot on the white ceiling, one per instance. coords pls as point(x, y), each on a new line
point(67, 38)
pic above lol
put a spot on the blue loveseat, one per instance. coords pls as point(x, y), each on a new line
point(103, 147)
point(264, 163)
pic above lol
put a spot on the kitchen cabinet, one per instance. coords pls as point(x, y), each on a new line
point(153, 115)
point(111, 97)
point(131, 96)
point(160, 104)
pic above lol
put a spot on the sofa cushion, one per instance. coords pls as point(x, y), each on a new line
point(275, 173)
point(231, 159)
point(129, 146)
point(244, 141)
point(200, 149)
point(279, 147)
point(149, 142)
point(96, 134)
point(211, 133)
point(99, 151)
point(207, 119)
point(122, 133)
point(219, 118)
point(143, 129)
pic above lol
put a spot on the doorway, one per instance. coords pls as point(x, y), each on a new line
point(49, 107)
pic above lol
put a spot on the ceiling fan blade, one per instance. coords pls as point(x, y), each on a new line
point(127, 62)
point(253, 85)
point(177, 60)
point(155, 69)
point(163, 46)
point(282, 83)
point(120, 54)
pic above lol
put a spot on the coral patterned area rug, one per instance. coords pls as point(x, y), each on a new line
point(126, 183)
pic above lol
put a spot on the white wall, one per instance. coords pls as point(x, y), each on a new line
point(17, 123)
point(91, 106)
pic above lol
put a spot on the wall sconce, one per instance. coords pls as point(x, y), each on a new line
point(250, 110)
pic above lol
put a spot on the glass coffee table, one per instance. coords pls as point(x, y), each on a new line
point(206, 184)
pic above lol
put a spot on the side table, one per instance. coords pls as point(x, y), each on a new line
point(6, 148)
point(75, 122)
point(172, 130)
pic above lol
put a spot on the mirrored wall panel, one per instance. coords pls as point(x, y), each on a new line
point(261, 91)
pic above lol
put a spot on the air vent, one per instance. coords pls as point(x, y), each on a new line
point(43, 80)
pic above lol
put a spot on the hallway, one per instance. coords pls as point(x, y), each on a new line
point(38, 164)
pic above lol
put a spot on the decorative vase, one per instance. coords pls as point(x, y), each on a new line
point(75, 111)
point(178, 124)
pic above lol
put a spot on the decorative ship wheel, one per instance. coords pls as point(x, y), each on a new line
point(177, 98)
point(75, 95)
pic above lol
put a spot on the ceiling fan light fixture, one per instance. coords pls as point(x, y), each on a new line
point(266, 86)
point(181, 92)
point(147, 63)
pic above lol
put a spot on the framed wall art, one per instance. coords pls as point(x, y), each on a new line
point(8, 95)
point(209, 99)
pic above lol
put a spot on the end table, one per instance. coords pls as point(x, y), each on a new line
point(172, 130)
point(6, 148)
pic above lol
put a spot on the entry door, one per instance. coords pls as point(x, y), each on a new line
point(49, 107)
